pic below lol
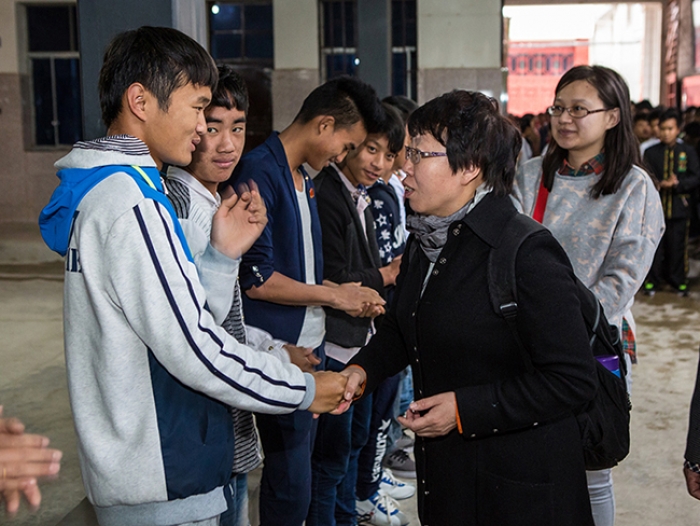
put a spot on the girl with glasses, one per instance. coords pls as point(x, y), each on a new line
point(592, 194)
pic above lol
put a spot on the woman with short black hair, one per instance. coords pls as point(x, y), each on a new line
point(497, 442)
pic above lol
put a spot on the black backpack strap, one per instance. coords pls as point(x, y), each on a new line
point(501, 264)
point(501, 273)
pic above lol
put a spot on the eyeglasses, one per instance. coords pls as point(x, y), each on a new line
point(576, 112)
point(415, 155)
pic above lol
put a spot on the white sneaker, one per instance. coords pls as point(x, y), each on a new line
point(395, 488)
point(380, 510)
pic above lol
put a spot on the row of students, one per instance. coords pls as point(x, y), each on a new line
point(193, 191)
point(142, 320)
point(152, 374)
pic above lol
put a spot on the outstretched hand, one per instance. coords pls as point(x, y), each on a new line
point(434, 416)
point(23, 458)
point(239, 221)
point(357, 378)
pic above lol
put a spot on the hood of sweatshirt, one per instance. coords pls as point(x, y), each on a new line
point(86, 165)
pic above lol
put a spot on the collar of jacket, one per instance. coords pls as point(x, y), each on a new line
point(275, 145)
point(489, 218)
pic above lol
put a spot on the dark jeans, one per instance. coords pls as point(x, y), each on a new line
point(285, 488)
point(369, 465)
point(287, 442)
point(339, 440)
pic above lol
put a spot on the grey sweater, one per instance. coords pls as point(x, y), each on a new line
point(611, 240)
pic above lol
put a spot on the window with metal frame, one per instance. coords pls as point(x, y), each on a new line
point(338, 38)
point(338, 26)
point(54, 70)
point(241, 32)
point(241, 35)
point(403, 42)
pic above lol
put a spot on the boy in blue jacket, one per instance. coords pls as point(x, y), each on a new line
point(282, 274)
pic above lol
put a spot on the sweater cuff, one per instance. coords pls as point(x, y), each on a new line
point(362, 386)
point(310, 392)
point(692, 466)
point(219, 262)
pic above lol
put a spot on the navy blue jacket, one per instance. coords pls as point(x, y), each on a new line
point(280, 248)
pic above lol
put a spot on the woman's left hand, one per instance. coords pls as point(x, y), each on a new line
point(434, 416)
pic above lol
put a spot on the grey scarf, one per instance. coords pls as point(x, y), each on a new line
point(431, 231)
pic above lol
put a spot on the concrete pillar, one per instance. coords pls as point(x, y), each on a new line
point(98, 22)
point(296, 71)
point(374, 44)
point(459, 47)
point(652, 46)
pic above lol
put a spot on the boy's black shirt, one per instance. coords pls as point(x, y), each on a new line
point(685, 165)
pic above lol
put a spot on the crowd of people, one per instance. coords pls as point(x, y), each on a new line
point(217, 303)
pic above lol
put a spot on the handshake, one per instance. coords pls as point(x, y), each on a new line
point(336, 391)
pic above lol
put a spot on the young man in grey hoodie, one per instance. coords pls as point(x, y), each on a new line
point(150, 372)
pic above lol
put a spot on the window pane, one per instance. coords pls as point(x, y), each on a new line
point(43, 101)
point(258, 17)
point(340, 64)
point(350, 17)
point(397, 30)
point(50, 28)
point(327, 24)
point(337, 10)
point(226, 46)
point(413, 74)
point(399, 74)
point(258, 45)
point(228, 17)
point(68, 99)
point(410, 29)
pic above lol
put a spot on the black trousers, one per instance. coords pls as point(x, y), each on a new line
point(671, 258)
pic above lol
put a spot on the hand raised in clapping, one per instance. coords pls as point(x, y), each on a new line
point(239, 221)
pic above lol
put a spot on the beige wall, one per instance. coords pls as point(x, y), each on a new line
point(459, 47)
point(27, 175)
point(11, 55)
point(297, 46)
point(459, 34)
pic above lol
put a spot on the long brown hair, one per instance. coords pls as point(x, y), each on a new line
point(621, 148)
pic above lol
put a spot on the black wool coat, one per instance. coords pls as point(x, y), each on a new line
point(348, 254)
point(518, 458)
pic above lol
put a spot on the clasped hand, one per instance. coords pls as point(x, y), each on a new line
point(23, 458)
